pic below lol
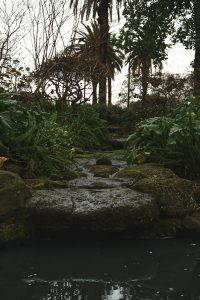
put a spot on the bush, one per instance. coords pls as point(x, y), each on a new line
point(33, 139)
point(88, 129)
point(173, 140)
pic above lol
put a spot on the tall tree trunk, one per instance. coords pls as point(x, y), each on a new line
point(109, 91)
point(197, 48)
point(104, 37)
point(94, 92)
point(129, 85)
point(145, 77)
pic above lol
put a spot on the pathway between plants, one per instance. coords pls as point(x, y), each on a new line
point(97, 201)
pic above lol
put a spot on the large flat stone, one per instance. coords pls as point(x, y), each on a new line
point(93, 205)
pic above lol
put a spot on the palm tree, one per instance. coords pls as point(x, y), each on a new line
point(100, 8)
point(115, 58)
point(88, 43)
point(88, 47)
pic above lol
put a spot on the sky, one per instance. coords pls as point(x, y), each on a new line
point(178, 61)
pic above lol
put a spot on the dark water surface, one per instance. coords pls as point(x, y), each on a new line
point(95, 269)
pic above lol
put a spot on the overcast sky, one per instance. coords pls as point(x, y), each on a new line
point(178, 62)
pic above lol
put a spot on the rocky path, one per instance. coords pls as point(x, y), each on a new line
point(96, 202)
point(112, 197)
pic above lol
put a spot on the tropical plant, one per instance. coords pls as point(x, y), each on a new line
point(173, 141)
point(179, 19)
point(33, 139)
point(102, 8)
point(88, 129)
point(144, 43)
point(88, 45)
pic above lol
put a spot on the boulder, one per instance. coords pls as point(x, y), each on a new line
point(174, 195)
point(192, 223)
point(16, 228)
point(97, 204)
point(137, 172)
point(13, 194)
point(103, 160)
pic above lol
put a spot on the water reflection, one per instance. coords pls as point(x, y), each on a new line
point(107, 270)
point(79, 290)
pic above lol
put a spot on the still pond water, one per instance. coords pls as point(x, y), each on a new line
point(91, 269)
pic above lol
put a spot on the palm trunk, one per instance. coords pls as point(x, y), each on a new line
point(129, 85)
point(145, 78)
point(109, 91)
point(104, 37)
point(197, 48)
point(94, 90)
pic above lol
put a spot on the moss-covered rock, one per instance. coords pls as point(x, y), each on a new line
point(13, 166)
point(192, 223)
point(16, 228)
point(137, 172)
point(174, 195)
point(13, 193)
point(167, 226)
point(70, 174)
point(102, 170)
point(104, 160)
point(46, 183)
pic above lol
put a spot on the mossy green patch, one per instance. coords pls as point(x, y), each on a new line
point(138, 172)
point(103, 170)
point(174, 195)
point(46, 183)
point(16, 228)
point(167, 226)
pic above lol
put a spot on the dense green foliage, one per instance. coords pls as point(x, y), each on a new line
point(178, 19)
point(173, 140)
point(88, 129)
point(128, 119)
point(33, 139)
point(43, 143)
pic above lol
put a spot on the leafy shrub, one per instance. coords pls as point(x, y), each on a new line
point(129, 118)
point(173, 140)
point(33, 139)
point(88, 129)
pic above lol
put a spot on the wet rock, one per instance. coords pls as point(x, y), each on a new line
point(98, 205)
point(118, 143)
point(47, 183)
point(102, 170)
point(97, 183)
point(13, 194)
point(167, 226)
point(174, 195)
point(192, 223)
point(138, 172)
point(104, 161)
point(14, 218)
point(16, 228)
